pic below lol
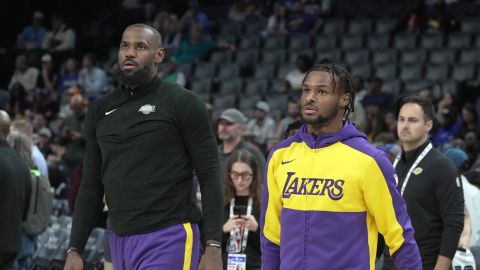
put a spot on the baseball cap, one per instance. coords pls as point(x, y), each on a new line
point(457, 155)
point(45, 132)
point(233, 116)
point(46, 58)
point(262, 105)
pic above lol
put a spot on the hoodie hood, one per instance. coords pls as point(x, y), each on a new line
point(348, 131)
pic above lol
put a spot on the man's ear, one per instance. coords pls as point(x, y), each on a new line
point(345, 99)
point(429, 125)
point(159, 55)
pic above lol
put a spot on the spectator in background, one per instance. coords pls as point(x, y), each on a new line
point(44, 139)
point(241, 234)
point(293, 115)
point(472, 148)
point(169, 26)
point(192, 17)
point(32, 36)
point(60, 40)
point(14, 182)
point(277, 22)
point(242, 11)
point(262, 126)
point(414, 20)
point(197, 47)
point(301, 22)
point(172, 74)
point(38, 122)
point(19, 104)
point(375, 124)
point(320, 8)
point(446, 132)
point(73, 134)
point(46, 99)
point(25, 75)
point(26, 128)
point(426, 94)
point(383, 100)
point(294, 78)
point(68, 78)
point(92, 79)
point(358, 115)
point(231, 127)
point(441, 20)
point(469, 120)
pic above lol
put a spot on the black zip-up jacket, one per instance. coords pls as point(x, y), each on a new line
point(142, 147)
point(435, 204)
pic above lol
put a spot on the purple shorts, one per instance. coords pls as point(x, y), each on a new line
point(174, 247)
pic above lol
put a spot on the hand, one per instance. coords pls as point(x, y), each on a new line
point(232, 223)
point(211, 260)
point(73, 261)
point(250, 223)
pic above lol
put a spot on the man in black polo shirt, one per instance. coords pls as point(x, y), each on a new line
point(143, 142)
point(427, 182)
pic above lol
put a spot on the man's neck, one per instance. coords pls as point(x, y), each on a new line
point(331, 127)
point(229, 146)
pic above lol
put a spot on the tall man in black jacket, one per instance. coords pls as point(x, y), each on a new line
point(427, 182)
point(143, 142)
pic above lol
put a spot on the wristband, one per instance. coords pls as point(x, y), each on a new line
point(72, 249)
point(214, 245)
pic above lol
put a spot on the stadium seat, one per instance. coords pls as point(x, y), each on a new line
point(221, 57)
point(273, 56)
point(292, 55)
point(284, 68)
point(252, 42)
point(334, 26)
point(274, 42)
point(431, 40)
point(362, 69)
point(325, 42)
point(384, 26)
point(393, 86)
point(349, 42)
point(384, 56)
point(386, 71)
point(247, 102)
point(405, 41)
point(360, 26)
point(469, 56)
point(411, 72)
point(255, 87)
point(436, 72)
point(459, 40)
point(299, 42)
point(253, 28)
point(356, 56)
point(264, 70)
point(186, 68)
point(204, 70)
point(414, 86)
point(377, 41)
point(230, 87)
point(442, 56)
point(224, 101)
point(228, 71)
point(413, 56)
point(334, 55)
point(247, 57)
point(202, 86)
point(462, 72)
point(231, 28)
point(470, 25)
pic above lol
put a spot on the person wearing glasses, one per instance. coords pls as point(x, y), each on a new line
point(241, 238)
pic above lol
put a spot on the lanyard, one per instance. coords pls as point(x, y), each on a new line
point(414, 165)
point(240, 231)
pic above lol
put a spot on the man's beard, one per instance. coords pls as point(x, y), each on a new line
point(135, 78)
point(320, 120)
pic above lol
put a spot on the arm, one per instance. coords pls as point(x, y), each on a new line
point(270, 218)
point(88, 205)
point(467, 231)
point(386, 205)
point(198, 136)
point(449, 197)
point(68, 42)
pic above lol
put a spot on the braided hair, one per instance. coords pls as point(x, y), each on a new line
point(340, 74)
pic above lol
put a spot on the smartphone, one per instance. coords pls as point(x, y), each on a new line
point(239, 210)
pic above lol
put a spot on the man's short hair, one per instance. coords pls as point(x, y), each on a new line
point(156, 34)
point(426, 105)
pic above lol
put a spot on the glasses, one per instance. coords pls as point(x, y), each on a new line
point(244, 175)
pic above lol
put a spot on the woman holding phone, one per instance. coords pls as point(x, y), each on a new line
point(241, 237)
